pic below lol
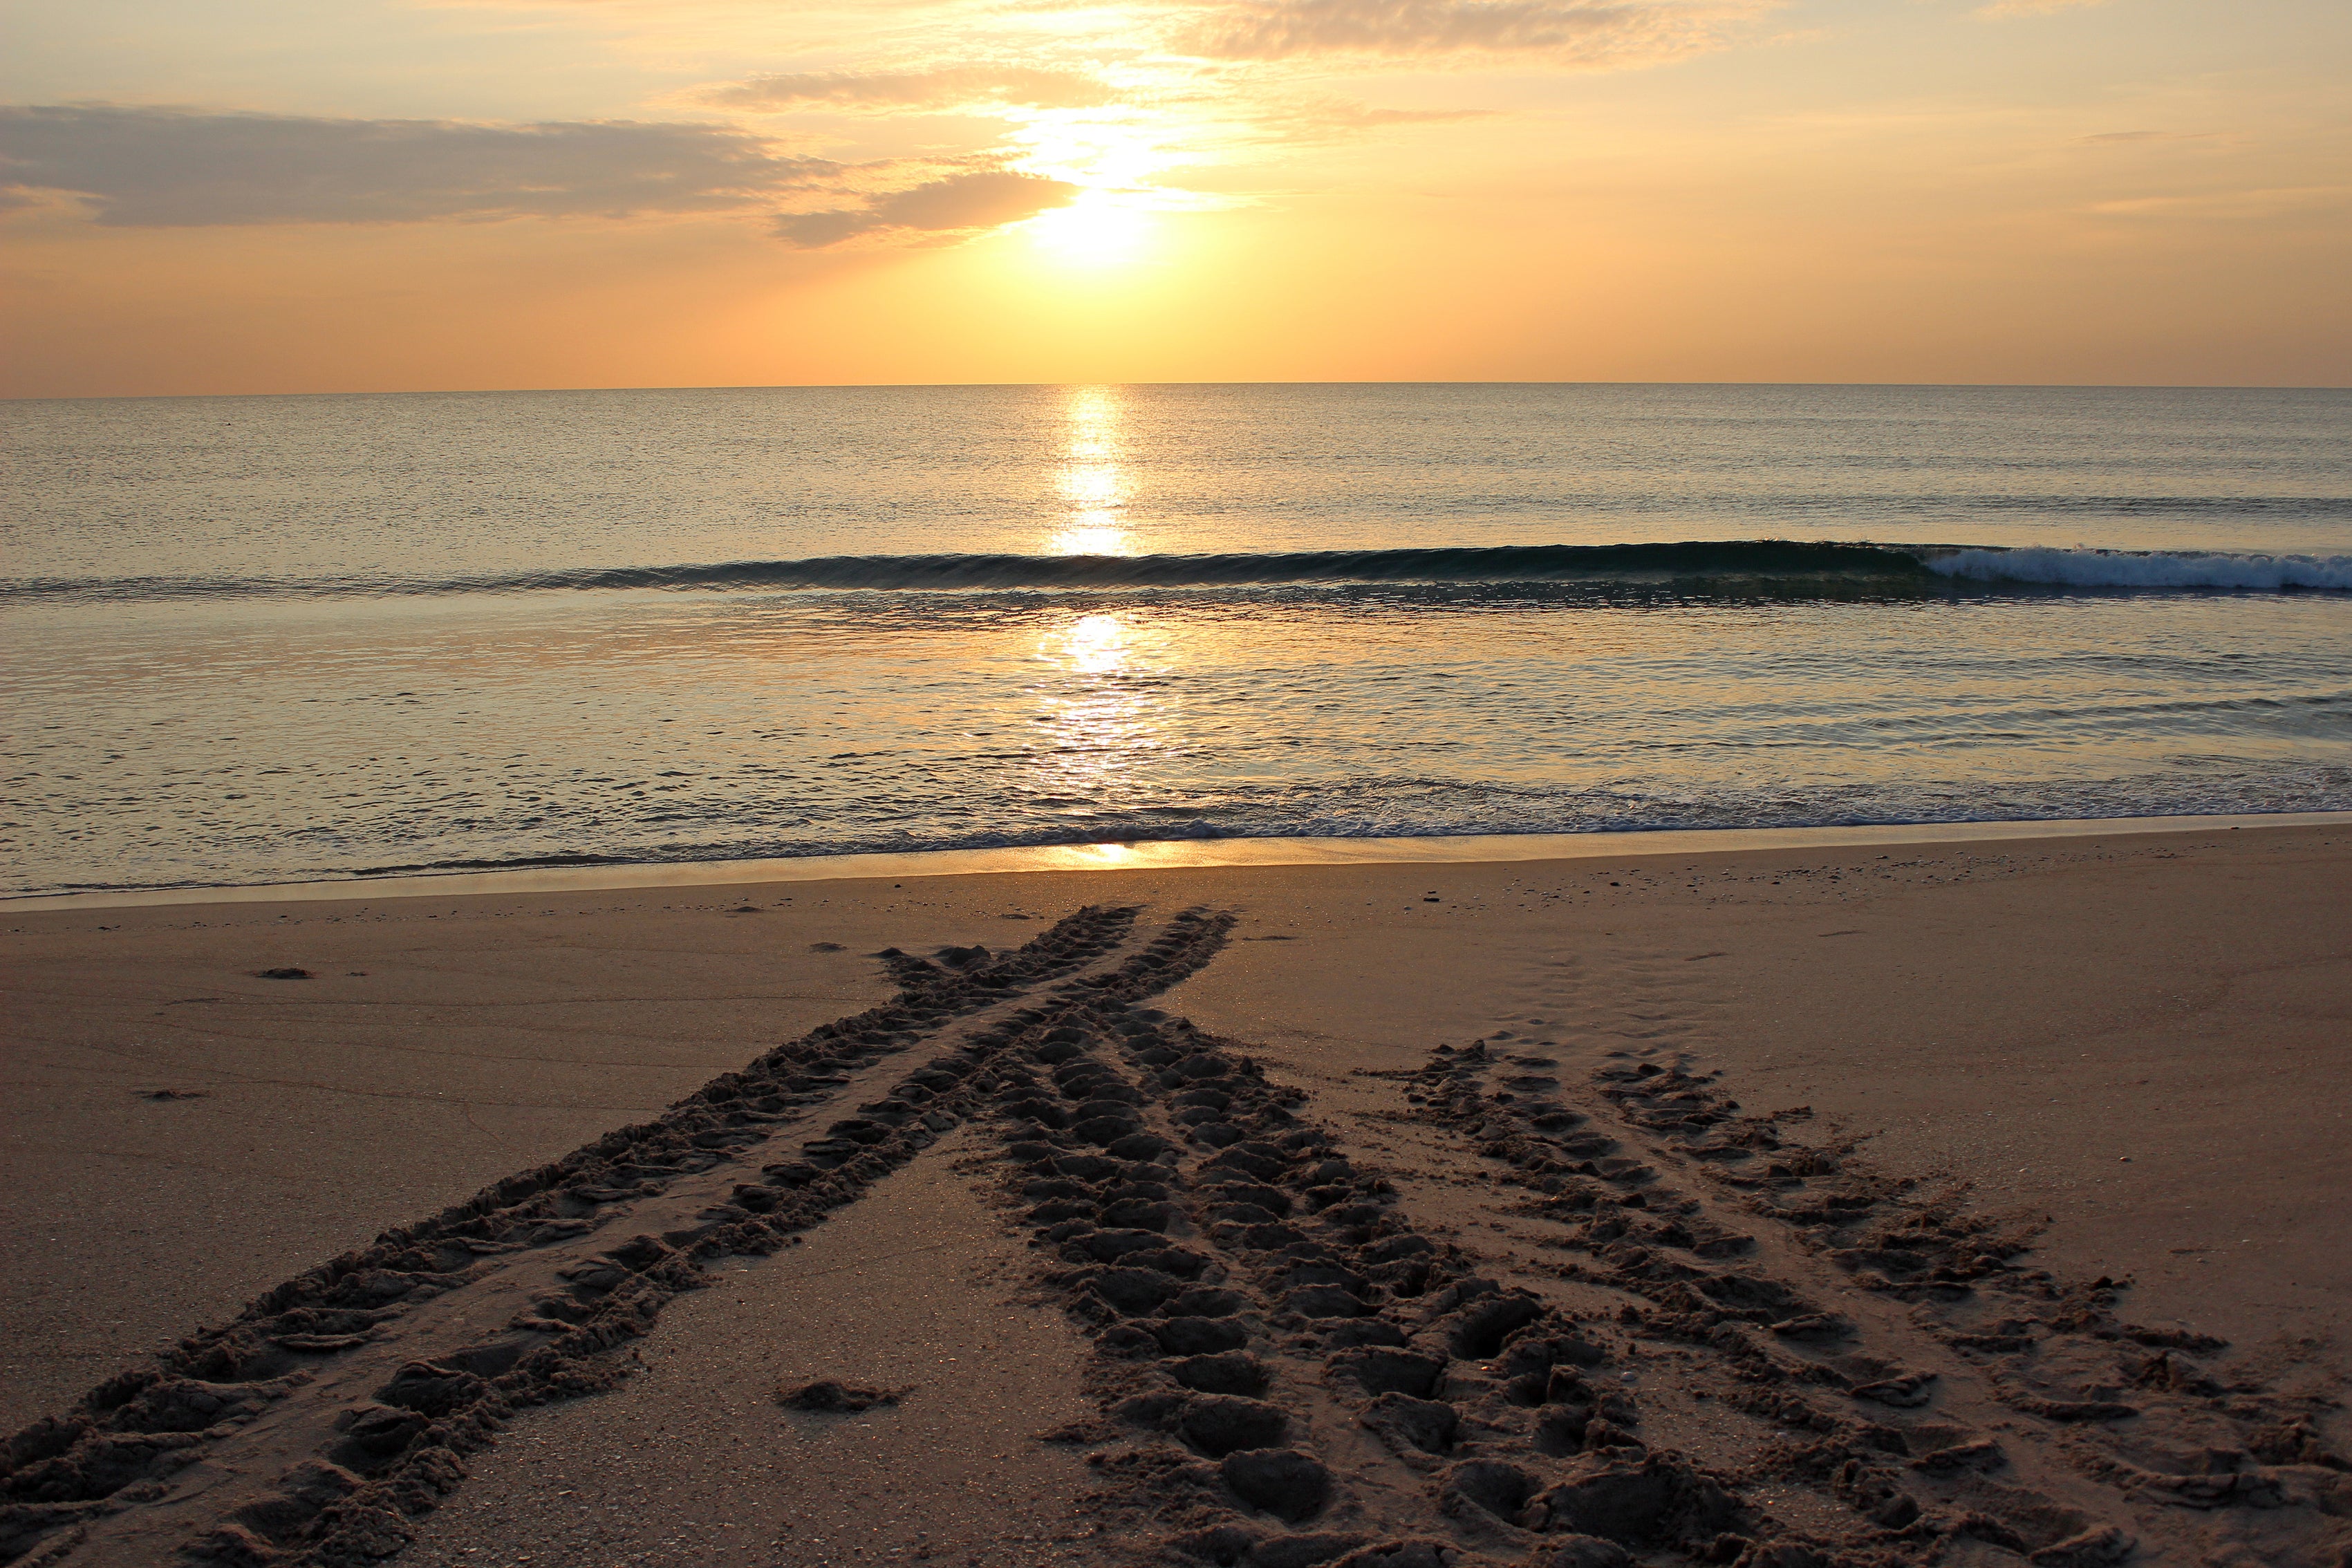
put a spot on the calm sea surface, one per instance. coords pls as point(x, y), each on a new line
point(256, 639)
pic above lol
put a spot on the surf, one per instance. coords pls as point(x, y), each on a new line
point(1765, 567)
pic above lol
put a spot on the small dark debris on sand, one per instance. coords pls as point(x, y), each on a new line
point(172, 1093)
point(745, 909)
point(825, 947)
point(287, 972)
point(834, 1398)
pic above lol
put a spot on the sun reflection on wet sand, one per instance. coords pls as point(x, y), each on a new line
point(1091, 480)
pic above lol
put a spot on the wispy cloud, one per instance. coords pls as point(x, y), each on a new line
point(1582, 32)
point(181, 168)
point(988, 198)
point(956, 88)
point(2229, 206)
point(1356, 117)
point(2140, 138)
point(2001, 10)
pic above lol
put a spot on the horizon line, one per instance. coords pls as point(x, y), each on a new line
point(1065, 385)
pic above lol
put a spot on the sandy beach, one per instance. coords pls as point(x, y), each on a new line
point(1963, 1202)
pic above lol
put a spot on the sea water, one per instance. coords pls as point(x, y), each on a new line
point(272, 638)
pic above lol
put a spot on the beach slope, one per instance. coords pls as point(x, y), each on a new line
point(1936, 1203)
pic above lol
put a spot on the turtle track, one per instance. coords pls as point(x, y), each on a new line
point(1728, 1345)
point(1707, 1338)
point(1938, 1398)
point(1288, 1372)
point(336, 1409)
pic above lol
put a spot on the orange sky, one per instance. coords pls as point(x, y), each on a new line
point(262, 195)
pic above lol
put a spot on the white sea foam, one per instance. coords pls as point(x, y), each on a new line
point(2152, 569)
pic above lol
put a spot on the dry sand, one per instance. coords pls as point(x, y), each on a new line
point(2127, 1049)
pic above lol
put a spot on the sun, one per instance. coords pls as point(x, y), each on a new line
point(1093, 231)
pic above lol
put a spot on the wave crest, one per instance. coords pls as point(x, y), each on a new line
point(1725, 568)
point(2150, 569)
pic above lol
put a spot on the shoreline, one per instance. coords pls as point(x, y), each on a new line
point(1156, 855)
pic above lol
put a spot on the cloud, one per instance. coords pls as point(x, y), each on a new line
point(984, 199)
point(958, 88)
point(2231, 206)
point(1356, 117)
point(177, 168)
point(1283, 126)
point(1630, 33)
point(2001, 10)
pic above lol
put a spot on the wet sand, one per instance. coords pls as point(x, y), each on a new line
point(2126, 1049)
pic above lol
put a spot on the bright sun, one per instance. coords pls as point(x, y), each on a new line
point(1092, 231)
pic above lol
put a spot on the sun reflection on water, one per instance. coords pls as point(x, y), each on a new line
point(1096, 645)
point(1087, 538)
point(1091, 480)
point(1102, 714)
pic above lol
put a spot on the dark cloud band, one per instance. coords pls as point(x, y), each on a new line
point(1591, 31)
point(986, 199)
point(162, 167)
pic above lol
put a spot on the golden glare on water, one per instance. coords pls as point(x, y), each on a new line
point(1093, 413)
point(1096, 645)
point(1093, 538)
point(1092, 481)
point(1102, 723)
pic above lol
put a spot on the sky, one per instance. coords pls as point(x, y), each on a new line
point(276, 196)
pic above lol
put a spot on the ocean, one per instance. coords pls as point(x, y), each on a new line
point(263, 639)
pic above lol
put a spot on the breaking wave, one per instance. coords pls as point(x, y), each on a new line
point(1729, 568)
point(2147, 569)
